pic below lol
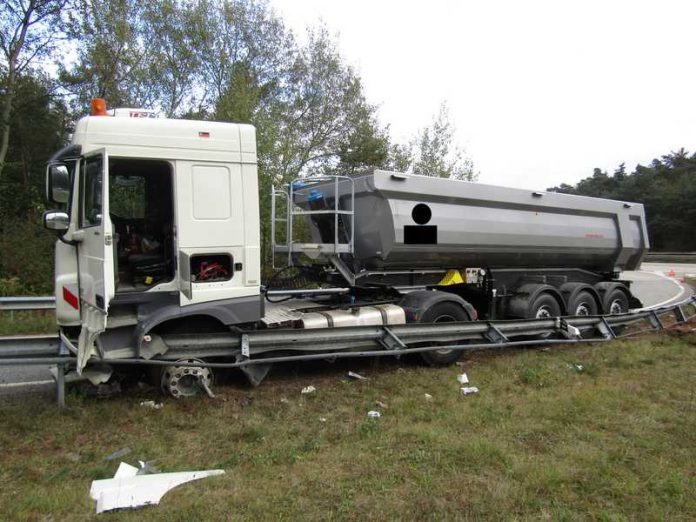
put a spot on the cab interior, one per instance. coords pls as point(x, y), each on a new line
point(142, 214)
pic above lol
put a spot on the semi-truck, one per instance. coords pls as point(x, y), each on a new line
point(158, 233)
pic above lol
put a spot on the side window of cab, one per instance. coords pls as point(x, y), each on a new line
point(91, 179)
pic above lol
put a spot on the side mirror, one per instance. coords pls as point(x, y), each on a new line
point(56, 220)
point(57, 183)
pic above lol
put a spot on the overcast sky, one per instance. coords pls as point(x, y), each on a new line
point(541, 92)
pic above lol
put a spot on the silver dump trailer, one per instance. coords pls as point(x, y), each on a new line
point(494, 244)
point(405, 221)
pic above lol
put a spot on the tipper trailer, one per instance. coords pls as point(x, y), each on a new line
point(160, 236)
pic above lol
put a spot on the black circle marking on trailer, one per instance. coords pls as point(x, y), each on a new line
point(421, 213)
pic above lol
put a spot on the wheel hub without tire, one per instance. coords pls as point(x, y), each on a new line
point(180, 380)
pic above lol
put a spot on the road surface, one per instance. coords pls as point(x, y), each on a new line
point(657, 284)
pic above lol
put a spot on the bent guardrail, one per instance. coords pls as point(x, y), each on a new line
point(249, 348)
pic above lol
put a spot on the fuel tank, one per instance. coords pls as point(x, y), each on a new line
point(404, 221)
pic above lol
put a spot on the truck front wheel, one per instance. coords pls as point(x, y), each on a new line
point(443, 312)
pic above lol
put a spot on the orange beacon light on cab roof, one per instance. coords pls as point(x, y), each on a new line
point(98, 107)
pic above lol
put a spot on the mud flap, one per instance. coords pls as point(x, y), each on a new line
point(93, 323)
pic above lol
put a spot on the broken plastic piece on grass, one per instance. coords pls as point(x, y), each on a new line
point(125, 470)
point(284, 400)
point(322, 419)
point(308, 389)
point(373, 414)
point(357, 376)
point(579, 367)
point(467, 390)
point(129, 490)
point(118, 454)
point(462, 378)
point(152, 404)
point(428, 396)
point(147, 468)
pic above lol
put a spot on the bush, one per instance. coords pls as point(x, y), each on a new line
point(26, 263)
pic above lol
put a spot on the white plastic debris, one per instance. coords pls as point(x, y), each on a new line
point(428, 397)
point(357, 376)
point(468, 390)
point(374, 414)
point(462, 378)
point(152, 404)
point(129, 490)
point(308, 389)
point(579, 367)
point(322, 419)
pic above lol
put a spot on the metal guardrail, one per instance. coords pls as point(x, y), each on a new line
point(374, 341)
point(12, 304)
point(670, 257)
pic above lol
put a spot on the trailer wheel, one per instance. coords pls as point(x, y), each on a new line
point(616, 302)
point(544, 306)
point(583, 304)
point(443, 312)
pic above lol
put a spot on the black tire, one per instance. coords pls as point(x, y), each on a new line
point(583, 304)
point(544, 306)
point(443, 312)
point(616, 302)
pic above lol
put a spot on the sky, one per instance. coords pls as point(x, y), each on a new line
point(541, 92)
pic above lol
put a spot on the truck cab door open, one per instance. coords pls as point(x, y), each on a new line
point(95, 252)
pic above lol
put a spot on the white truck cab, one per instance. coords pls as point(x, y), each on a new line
point(159, 215)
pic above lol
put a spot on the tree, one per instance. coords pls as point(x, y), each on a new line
point(667, 188)
point(113, 55)
point(436, 153)
point(28, 29)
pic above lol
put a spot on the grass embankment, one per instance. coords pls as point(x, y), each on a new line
point(28, 322)
point(542, 440)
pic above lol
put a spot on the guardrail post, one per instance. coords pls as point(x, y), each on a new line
point(60, 376)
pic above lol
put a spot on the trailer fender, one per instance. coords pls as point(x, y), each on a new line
point(416, 304)
point(570, 291)
point(518, 306)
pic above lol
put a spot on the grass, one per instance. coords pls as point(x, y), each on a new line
point(28, 322)
point(602, 432)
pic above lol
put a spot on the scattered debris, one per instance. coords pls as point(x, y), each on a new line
point(467, 390)
point(381, 404)
point(147, 467)
point(247, 401)
point(152, 404)
point(462, 378)
point(428, 397)
point(373, 414)
point(308, 389)
point(284, 400)
point(357, 376)
point(579, 367)
point(130, 489)
point(118, 454)
point(322, 419)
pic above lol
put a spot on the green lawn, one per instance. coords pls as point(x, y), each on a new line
point(28, 322)
point(542, 440)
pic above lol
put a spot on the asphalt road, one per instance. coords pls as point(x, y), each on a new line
point(656, 284)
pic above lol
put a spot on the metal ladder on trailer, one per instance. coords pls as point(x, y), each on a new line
point(317, 201)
